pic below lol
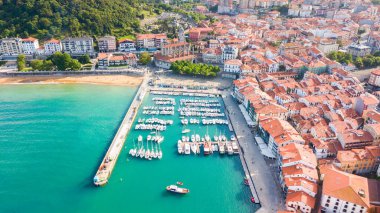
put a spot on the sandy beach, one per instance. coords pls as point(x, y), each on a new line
point(123, 80)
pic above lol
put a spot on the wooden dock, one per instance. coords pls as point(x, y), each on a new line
point(108, 163)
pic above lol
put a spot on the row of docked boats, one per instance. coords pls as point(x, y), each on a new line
point(150, 151)
point(156, 127)
point(187, 148)
point(198, 94)
point(164, 101)
point(198, 109)
point(214, 121)
point(201, 114)
point(158, 112)
point(155, 121)
point(166, 108)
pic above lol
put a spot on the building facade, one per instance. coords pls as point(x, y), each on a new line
point(78, 46)
point(10, 46)
point(107, 44)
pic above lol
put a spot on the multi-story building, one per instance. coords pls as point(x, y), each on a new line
point(328, 45)
point(196, 34)
point(229, 52)
point(173, 52)
point(358, 50)
point(365, 102)
point(149, 41)
point(232, 66)
point(78, 46)
point(355, 139)
point(359, 161)
point(106, 60)
point(52, 46)
point(374, 78)
point(29, 45)
point(107, 44)
point(127, 45)
point(10, 46)
point(345, 192)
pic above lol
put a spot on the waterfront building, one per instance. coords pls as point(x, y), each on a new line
point(298, 176)
point(359, 161)
point(212, 56)
point(151, 41)
point(127, 45)
point(278, 133)
point(11, 46)
point(52, 46)
point(231, 68)
point(173, 52)
point(107, 44)
point(345, 192)
point(29, 45)
point(78, 46)
point(106, 60)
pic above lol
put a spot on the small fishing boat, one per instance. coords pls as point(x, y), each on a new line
point(192, 138)
point(221, 148)
point(140, 138)
point(233, 138)
point(252, 199)
point(149, 137)
point(176, 189)
point(197, 138)
point(185, 131)
point(216, 138)
point(179, 183)
point(184, 138)
point(206, 149)
point(235, 148)
point(230, 151)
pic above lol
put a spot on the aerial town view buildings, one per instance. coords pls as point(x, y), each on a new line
point(313, 112)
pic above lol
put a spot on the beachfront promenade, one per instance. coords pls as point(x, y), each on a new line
point(108, 163)
point(260, 173)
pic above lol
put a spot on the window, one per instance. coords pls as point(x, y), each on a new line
point(335, 207)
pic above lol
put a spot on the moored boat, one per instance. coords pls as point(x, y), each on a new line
point(185, 131)
point(176, 189)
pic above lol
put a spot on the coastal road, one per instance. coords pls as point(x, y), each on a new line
point(266, 187)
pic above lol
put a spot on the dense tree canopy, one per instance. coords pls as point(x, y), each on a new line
point(57, 61)
point(145, 58)
point(57, 18)
point(21, 62)
point(189, 68)
point(360, 62)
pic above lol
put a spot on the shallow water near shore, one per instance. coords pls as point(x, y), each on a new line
point(53, 138)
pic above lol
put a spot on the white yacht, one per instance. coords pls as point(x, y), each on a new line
point(187, 148)
point(179, 144)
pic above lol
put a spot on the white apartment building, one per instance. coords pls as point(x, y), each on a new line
point(52, 46)
point(78, 46)
point(229, 52)
point(30, 45)
point(10, 46)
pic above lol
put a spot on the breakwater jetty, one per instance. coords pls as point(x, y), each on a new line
point(108, 163)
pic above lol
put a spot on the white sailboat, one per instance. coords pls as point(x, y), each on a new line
point(159, 152)
point(193, 147)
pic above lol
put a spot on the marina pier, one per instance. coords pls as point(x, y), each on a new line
point(108, 163)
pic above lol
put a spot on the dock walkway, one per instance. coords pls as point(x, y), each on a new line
point(108, 163)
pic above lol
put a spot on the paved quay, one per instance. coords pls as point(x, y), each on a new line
point(260, 172)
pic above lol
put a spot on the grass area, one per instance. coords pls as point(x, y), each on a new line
point(27, 69)
point(132, 37)
point(148, 14)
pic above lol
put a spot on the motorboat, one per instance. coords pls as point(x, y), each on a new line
point(233, 138)
point(230, 151)
point(140, 138)
point(179, 144)
point(184, 138)
point(187, 148)
point(197, 138)
point(185, 131)
point(206, 149)
point(176, 189)
point(192, 138)
point(235, 148)
point(216, 139)
point(149, 137)
point(222, 148)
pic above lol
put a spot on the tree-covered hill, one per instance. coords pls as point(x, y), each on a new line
point(57, 18)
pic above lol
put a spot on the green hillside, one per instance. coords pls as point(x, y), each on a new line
point(57, 18)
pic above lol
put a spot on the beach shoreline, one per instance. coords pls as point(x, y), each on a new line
point(120, 80)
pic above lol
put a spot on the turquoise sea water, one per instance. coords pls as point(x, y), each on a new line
point(53, 137)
